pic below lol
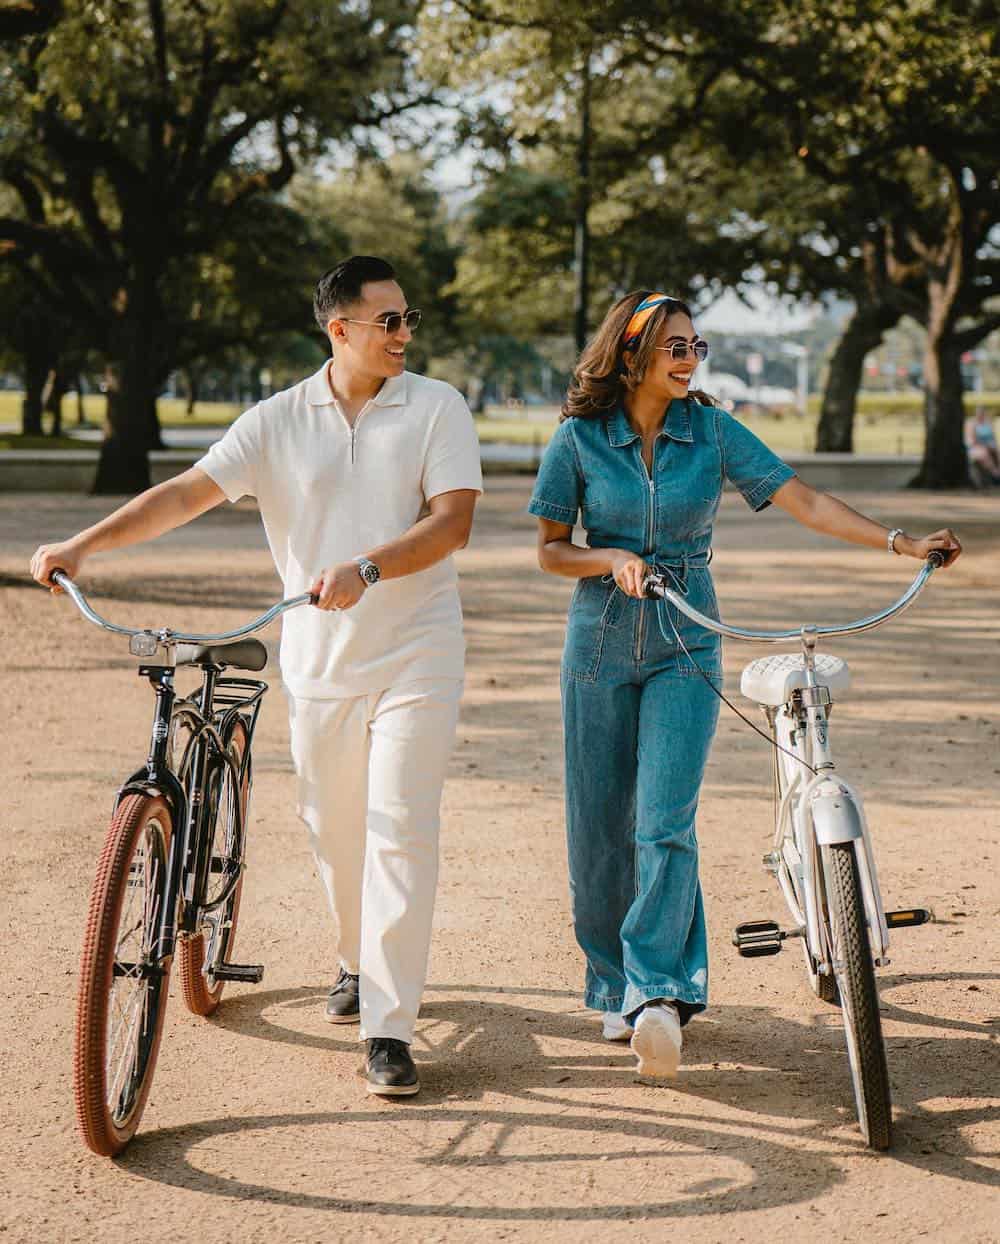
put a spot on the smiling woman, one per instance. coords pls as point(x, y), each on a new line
point(643, 458)
point(626, 346)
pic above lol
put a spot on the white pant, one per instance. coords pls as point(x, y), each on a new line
point(370, 773)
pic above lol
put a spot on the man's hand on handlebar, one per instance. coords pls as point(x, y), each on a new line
point(339, 587)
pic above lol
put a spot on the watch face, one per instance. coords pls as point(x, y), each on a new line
point(369, 572)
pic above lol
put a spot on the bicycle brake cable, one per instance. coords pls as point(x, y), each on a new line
point(728, 703)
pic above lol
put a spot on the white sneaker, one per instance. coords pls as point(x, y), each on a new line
point(616, 1027)
point(657, 1040)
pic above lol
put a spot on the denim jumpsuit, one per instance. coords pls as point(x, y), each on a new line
point(638, 718)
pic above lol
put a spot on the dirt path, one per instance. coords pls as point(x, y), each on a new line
point(529, 1126)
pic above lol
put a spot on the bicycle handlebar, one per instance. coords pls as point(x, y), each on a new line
point(655, 585)
point(164, 634)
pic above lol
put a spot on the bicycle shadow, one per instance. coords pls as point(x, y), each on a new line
point(780, 1082)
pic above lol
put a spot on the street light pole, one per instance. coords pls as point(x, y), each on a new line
point(801, 356)
point(581, 240)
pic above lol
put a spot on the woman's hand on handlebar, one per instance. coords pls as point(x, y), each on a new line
point(629, 571)
point(944, 541)
point(48, 558)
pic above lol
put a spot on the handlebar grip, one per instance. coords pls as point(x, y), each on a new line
point(58, 574)
point(314, 598)
point(937, 558)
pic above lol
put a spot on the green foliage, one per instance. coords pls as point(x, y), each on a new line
point(392, 209)
point(149, 144)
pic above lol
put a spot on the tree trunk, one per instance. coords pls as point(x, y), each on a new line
point(35, 370)
point(81, 416)
point(192, 382)
point(946, 463)
point(132, 427)
point(864, 332)
point(55, 391)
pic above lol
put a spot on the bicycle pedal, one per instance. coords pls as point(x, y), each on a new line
point(908, 919)
point(248, 973)
point(755, 938)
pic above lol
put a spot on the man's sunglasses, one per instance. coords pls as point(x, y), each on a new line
point(679, 349)
point(393, 322)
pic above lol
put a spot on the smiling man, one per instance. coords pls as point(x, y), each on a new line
point(367, 477)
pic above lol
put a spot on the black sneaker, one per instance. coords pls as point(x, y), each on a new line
point(389, 1068)
point(342, 1001)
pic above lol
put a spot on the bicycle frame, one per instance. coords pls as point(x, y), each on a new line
point(816, 810)
point(240, 698)
point(826, 809)
point(188, 860)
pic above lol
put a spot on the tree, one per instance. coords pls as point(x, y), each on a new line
point(584, 195)
point(141, 146)
point(903, 103)
point(27, 17)
point(390, 207)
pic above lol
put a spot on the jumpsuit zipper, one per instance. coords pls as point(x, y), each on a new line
point(640, 630)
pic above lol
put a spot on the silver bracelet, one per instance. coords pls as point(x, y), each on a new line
point(891, 542)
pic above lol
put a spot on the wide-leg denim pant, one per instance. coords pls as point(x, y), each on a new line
point(638, 720)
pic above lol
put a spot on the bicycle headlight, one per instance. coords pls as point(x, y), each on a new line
point(144, 644)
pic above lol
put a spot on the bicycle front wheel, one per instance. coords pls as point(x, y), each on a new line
point(123, 985)
point(213, 943)
point(855, 975)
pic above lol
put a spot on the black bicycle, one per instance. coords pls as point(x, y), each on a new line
point(170, 876)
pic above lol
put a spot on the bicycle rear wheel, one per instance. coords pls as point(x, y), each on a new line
point(122, 999)
point(213, 943)
point(855, 975)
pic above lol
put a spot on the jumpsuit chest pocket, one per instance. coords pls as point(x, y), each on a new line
point(596, 607)
point(688, 488)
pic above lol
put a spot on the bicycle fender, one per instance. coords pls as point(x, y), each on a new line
point(835, 815)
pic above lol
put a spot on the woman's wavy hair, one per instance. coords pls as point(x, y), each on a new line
point(605, 372)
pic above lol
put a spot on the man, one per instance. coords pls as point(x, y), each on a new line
point(367, 477)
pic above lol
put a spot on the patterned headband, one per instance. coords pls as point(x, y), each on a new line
point(640, 317)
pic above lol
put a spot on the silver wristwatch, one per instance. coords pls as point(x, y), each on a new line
point(891, 541)
point(368, 570)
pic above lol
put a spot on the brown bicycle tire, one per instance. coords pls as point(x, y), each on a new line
point(199, 997)
point(101, 1132)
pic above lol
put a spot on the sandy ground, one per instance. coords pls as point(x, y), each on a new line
point(528, 1125)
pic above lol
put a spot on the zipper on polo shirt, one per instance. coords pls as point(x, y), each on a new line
point(353, 428)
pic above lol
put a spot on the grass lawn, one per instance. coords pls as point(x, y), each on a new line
point(875, 431)
point(873, 434)
point(172, 411)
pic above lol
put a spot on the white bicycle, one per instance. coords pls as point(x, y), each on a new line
point(822, 853)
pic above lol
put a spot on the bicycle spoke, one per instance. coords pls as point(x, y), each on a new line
point(130, 990)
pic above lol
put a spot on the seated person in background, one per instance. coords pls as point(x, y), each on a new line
point(984, 455)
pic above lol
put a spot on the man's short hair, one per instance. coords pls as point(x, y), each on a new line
point(341, 286)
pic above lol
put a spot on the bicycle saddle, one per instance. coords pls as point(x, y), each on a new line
point(771, 680)
point(244, 654)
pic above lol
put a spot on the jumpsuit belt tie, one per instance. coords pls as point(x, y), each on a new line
point(675, 570)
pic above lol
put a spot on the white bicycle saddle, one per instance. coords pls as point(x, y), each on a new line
point(771, 680)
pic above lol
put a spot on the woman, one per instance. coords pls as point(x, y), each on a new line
point(644, 459)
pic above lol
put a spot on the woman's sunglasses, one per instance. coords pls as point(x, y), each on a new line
point(679, 349)
point(392, 322)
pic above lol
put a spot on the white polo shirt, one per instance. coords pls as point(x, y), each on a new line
point(328, 493)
